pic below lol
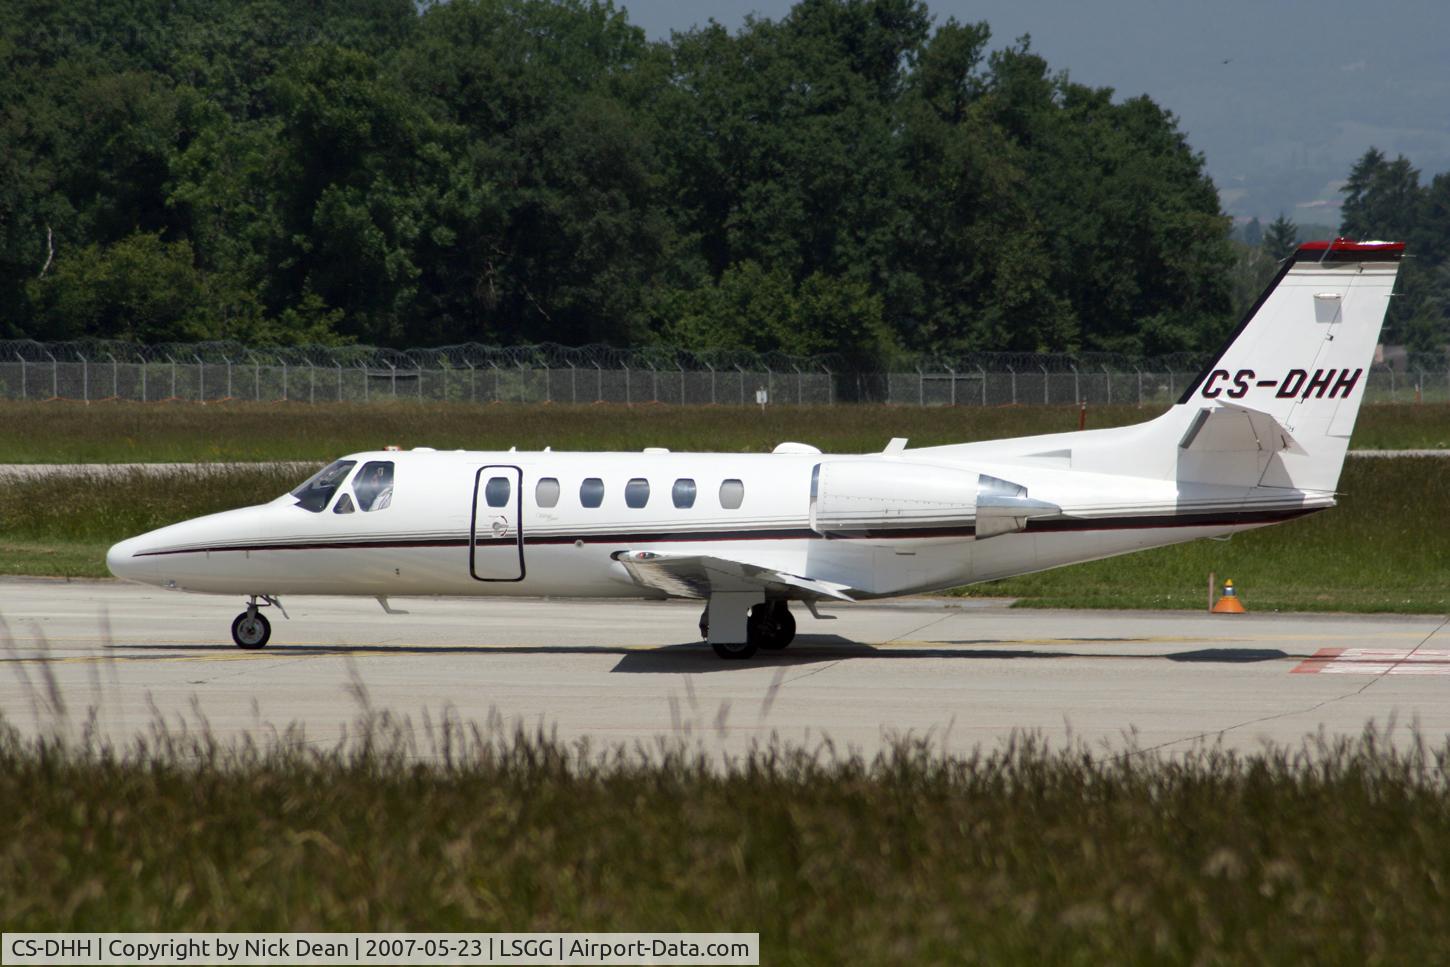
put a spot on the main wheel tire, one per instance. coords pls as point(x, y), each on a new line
point(734, 650)
point(772, 625)
point(251, 630)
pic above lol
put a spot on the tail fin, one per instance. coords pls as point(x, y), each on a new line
point(1296, 368)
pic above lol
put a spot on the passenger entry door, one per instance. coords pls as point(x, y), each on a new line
point(496, 540)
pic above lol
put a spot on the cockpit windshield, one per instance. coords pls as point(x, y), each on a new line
point(319, 488)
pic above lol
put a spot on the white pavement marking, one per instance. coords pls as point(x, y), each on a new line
point(624, 671)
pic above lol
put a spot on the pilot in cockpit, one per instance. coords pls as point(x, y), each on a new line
point(374, 486)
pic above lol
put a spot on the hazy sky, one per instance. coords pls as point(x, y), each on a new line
point(1307, 88)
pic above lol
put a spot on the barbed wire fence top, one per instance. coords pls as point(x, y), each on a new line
point(547, 372)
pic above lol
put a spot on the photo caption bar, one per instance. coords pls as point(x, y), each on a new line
point(380, 948)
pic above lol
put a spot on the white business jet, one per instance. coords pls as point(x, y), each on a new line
point(1258, 438)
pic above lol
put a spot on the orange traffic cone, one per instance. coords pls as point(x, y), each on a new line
point(1229, 603)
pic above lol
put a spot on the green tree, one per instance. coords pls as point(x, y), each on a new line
point(140, 288)
point(1282, 238)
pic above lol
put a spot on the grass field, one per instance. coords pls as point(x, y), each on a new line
point(1386, 547)
point(1335, 853)
point(137, 432)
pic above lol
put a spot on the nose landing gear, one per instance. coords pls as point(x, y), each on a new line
point(251, 629)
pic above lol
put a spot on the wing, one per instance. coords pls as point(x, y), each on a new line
point(699, 575)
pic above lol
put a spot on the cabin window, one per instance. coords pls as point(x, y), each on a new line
point(374, 485)
point(316, 492)
point(497, 491)
point(546, 493)
point(344, 504)
point(591, 492)
point(732, 494)
point(684, 493)
point(636, 493)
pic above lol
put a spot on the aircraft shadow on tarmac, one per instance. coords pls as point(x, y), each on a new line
point(696, 656)
point(813, 649)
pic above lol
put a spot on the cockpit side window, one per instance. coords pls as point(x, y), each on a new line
point(317, 491)
point(374, 485)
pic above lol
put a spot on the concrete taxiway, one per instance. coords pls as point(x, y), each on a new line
point(965, 672)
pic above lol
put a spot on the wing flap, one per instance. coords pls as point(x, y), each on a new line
point(700, 575)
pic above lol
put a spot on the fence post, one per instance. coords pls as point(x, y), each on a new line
point(598, 383)
point(256, 378)
point(85, 379)
point(627, 400)
point(830, 385)
point(953, 374)
point(573, 384)
point(54, 377)
point(742, 383)
point(1140, 384)
point(173, 376)
point(654, 381)
point(339, 380)
point(311, 383)
point(983, 371)
point(419, 367)
point(920, 386)
point(1076, 384)
point(24, 392)
point(712, 383)
point(115, 378)
point(284, 380)
point(1046, 382)
point(228, 361)
point(1108, 382)
point(472, 391)
point(799, 384)
point(1171, 381)
point(200, 380)
point(681, 368)
point(143, 380)
point(367, 380)
point(1014, 384)
point(1394, 394)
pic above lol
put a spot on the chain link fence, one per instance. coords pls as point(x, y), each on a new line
point(216, 372)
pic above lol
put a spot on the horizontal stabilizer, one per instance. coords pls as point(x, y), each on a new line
point(1228, 428)
point(699, 576)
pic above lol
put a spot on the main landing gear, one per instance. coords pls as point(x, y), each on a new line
point(769, 625)
point(251, 629)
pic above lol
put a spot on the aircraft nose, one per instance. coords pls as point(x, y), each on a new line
point(124, 563)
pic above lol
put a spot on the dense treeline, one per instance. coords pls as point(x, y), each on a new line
point(1384, 199)
point(853, 177)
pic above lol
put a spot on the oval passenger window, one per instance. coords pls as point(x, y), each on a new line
point(497, 491)
point(591, 492)
point(684, 493)
point(546, 494)
point(636, 493)
point(732, 494)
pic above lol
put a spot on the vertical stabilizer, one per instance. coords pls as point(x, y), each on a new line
point(1301, 357)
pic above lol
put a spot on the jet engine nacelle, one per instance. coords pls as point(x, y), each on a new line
point(880, 498)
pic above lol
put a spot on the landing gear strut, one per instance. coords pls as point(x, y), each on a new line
point(770, 625)
point(251, 629)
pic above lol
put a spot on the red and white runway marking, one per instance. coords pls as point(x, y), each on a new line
point(1377, 661)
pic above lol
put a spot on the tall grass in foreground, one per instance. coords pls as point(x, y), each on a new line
point(139, 432)
point(1335, 852)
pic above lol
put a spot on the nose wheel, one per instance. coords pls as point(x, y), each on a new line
point(251, 629)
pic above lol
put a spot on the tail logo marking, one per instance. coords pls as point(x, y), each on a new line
point(1322, 384)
